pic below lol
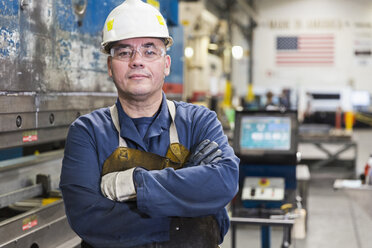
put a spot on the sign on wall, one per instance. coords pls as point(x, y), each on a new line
point(363, 48)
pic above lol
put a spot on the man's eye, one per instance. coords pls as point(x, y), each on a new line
point(150, 52)
point(124, 53)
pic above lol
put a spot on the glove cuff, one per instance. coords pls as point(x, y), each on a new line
point(125, 188)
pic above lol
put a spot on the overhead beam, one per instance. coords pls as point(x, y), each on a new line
point(250, 11)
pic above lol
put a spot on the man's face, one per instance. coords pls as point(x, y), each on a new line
point(138, 77)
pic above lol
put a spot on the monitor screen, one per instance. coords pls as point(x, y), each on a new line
point(264, 132)
point(360, 98)
point(266, 136)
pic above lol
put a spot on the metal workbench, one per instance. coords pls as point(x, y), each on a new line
point(332, 144)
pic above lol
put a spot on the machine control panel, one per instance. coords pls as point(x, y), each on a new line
point(263, 189)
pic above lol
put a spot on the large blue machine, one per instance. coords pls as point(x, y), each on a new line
point(52, 69)
point(266, 143)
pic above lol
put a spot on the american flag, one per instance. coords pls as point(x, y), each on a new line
point(305, 50)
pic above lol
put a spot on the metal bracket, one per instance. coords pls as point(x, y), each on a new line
point(24, 4)
point(80, 7)
point(45, 182)
point(21, 194)
point(42, 187)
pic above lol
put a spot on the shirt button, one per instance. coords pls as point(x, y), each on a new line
point(177, 228)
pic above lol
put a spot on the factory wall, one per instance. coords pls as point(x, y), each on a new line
point(348, 61)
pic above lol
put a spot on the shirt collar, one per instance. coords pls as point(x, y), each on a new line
point(129, 131)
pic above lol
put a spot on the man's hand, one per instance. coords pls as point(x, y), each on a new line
point(206, 152)
point(118, 186)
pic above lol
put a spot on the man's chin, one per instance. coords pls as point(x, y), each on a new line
point(140, 95)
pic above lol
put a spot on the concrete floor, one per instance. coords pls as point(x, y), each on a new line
point(334, 220)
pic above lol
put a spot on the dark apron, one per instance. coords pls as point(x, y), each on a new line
point(202, 232)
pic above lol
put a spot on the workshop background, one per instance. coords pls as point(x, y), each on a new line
point(305, 64)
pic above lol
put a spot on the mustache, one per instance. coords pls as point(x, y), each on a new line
point(138, 72)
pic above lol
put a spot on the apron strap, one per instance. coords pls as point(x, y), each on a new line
point(115, 120)
point(173, 135)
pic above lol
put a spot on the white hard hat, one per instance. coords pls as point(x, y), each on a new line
point(134, 19)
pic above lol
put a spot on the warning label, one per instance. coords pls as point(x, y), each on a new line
point(29, 222)
point(29, 136)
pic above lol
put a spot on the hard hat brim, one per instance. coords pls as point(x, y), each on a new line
point(106, 46)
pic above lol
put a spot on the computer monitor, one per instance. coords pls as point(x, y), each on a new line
point(360, 99)
point(266, 137)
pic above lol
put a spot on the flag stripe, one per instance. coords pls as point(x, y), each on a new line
point(319, 61)
point(304, 57)
point(306, 52)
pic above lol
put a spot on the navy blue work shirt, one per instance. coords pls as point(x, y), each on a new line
point(188, 192)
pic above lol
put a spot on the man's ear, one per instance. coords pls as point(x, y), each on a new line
point(167, 65)
point(109, 66)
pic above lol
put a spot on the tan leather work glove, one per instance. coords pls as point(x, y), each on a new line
point(118, 186)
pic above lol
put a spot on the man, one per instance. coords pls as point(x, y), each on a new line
point(128, 178)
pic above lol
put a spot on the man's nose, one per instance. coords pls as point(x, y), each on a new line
point(136, 59)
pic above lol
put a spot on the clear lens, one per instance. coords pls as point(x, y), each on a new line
point(148, 53)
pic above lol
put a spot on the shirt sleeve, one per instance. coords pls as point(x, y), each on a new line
point(196, 190)
point(96, 219)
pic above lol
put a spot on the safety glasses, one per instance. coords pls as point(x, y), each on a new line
point(126, 53)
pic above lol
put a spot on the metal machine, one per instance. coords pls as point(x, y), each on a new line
point(51, 72)
point(266, 143)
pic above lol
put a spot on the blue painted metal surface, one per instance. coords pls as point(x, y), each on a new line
point(11, 153)
point(47, 47)
point(265, 236)
point(52, 47)
point(176, 53)
point(288, 172)
point(9, 8)
point(93, 19)
point(169, 9)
